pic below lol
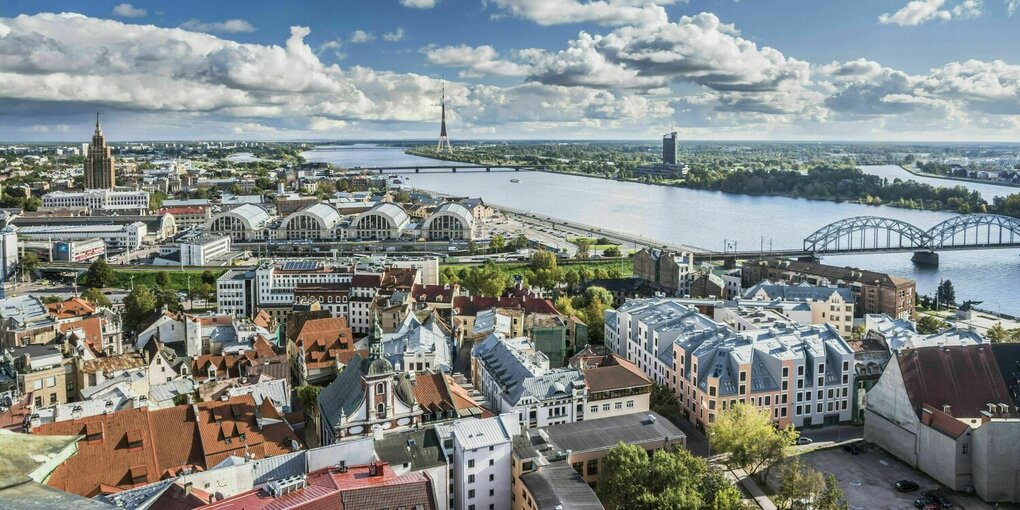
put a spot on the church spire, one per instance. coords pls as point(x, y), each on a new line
point(375, 348)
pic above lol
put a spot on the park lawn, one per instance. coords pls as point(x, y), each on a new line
point(178, 279)
point(511, 268)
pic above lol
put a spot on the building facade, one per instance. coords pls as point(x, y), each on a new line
point(135, 202)
point(99, 166)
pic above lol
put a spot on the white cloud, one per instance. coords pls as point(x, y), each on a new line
point(126, 10)
point(394, 36)
point(1011, 6)
point(478, 61)
point(918, 12)
point(419, 4)
point(230, 26)
point(602, 12)
point(361, 36)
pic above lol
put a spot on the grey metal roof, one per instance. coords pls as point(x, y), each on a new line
point(601, 434)
point(278, 466)
point(557, 485)
point(799, 292)
point(168, 390)
point(420, 449)
point(344, 395)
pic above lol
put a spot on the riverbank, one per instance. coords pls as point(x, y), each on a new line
point(818, 183)
point(914, 171)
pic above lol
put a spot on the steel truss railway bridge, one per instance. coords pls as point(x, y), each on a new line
point(873, 234)
point(417, 169)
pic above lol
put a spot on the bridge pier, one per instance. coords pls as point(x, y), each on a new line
point(488, 169)
point(925, 258)
point(454, 169)
point(417, 170)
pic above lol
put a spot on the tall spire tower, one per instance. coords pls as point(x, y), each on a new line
point(99, 169)
point(442, 128)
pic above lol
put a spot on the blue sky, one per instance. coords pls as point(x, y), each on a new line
point(607, 69)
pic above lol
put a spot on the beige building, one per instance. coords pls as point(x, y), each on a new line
point(809, 304)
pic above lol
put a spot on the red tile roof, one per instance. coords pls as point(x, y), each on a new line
point(354, 489)
point(471, 305)
point(325, 341)
point(434, 293)
point(134, 447)
point(615, 373)
point(74, 307)
point(93, 329)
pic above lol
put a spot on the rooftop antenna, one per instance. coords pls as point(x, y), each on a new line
point(442, 128)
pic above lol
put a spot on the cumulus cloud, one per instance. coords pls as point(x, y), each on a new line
point(918, 12)
point(394, 36)
point(419, 4)
point(1011, 6)
point(128, 11)
point(602, 12)
point(361, 36)
point(48, 63)
point(478, 61)
point(230, 26)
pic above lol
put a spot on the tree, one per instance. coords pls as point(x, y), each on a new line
point(623, 475)
point(832, 497)
point(672, 478)
point(928, 325)
point(997, 333)
point(546, 269)
point(156, 199)
point(138, 305)
point(309, 396)
point(95, 296)
point(28, 262)
point(207, 292)
point(753, 443)
point(585, 273)
point(100, 275)
point(208, 277)
point(946, 294)
point(571, 278)
point(166, 299)
point(519, 243)
point(612, 251)
point(600, 294)
point(498, 243)
point(162, 279)
point(799, 485)
point(584, 245)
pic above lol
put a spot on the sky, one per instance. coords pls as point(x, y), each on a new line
point(871, 70)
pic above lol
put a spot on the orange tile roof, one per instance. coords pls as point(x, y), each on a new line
point(325, 341)
point(116, 363)
point(134, 447)
point(93, 329)
point(74, 307)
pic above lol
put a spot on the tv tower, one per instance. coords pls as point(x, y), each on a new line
point(442, 129)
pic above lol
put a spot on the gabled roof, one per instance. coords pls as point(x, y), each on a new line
point(615, 373)
point(74, 307)
point(471, 305)
point(344, 395)
point(965, 378)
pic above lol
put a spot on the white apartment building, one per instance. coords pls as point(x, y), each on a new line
point(820, 304)
point(117, 237)
point(515, 378)
point(97, 199)
point(481, 451)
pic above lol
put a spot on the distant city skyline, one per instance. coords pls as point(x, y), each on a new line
point(786, 70)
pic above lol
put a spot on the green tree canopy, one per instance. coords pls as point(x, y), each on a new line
point(612, 251)
point(671, 479)
point(208, 277)
point(753, 443)
point(100, 275)
point(928, 325)
point(95, 296)
point(138, 305)
point(166, 299)
point(162, 279)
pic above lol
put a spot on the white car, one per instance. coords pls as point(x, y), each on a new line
point(804, 440)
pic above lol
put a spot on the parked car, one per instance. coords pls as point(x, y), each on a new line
point(906, 486)
point(804, 440)
point(924, 504)
point(852, 448)
point(936, 497)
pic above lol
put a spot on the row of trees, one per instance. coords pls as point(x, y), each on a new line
point(543, 270)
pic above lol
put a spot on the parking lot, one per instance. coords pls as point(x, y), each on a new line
point(868, 478)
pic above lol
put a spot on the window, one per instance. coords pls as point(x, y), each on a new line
point(593, 467)
point(492, 492)
point(380, 389)
point(618, 406)
point(605, 407)
point(471, 463)
point(630, 404)
point(471, 494)
point(491, 461)
point(594, 409)
point(471, 478)
point(786, 372)
point(963, 448)
point(492, 477)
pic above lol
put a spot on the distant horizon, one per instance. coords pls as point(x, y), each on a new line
point(455, 142)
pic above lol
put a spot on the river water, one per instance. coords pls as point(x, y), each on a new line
point(709, 219)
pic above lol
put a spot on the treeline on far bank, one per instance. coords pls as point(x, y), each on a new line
point(847, 183)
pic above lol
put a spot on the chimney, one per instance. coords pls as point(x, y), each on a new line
point(945, 409)
point(187, 488)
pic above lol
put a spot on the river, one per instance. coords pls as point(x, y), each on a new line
point(707, 219)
